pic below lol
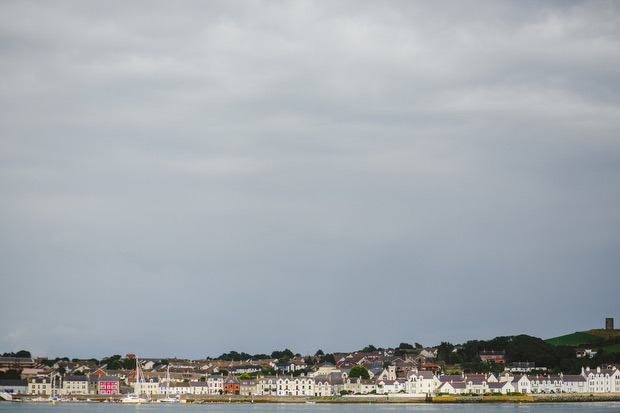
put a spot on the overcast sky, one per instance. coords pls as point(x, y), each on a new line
point(185, 178)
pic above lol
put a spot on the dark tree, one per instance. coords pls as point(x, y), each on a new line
point(129, 364)
point(281, 354)
point(328, 358)
point(10, 374)
point(115, 365)
point(359, 371)
point(368, 349)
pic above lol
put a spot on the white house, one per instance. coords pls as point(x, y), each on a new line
point(602, 380)
point(429, 353)
point(546, 384)
point(574, 384)
point(390, 386)
point(267, 386)
point(323, 386)
point(75, 385)
point(476, 384)
point(248, 387)
point(501, 387)
point(295, 386)
point(215, 384)
point(453, 387)
point(178, 389)
point(422, 382)
point(358, 385)
point(199, 387)
point(40, 386)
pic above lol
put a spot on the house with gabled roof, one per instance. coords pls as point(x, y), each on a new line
point(196, 387)
point(574, 383)
point(248, 387)
point(358, 385)
point(388, 373)
point(428, 366)
point(41, 386)
point(501, 387)
point(100, 372)
point(476, 384)
point(231, 385)
point(267, 386)
point(546, 384)
point(495, 356)
point(429, 353)
point(108, 385)
point(422, 382)
point(323, 386)
point(389, 386)
point(295, 386)
point(453, 387)
point(215, 383)
point(325, 369)
point(601, 380)
point(76, 385)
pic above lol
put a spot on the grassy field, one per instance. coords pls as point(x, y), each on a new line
point(573, 339)
point(604, 334)
point(614, 348)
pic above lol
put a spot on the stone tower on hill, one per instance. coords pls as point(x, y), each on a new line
point(609, 324)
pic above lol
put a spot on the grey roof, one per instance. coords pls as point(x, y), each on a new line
point(15, 383)
point(75, 378)
point(40, 380)
point(107, 378)
point(574, 378)
point(425, 374)
point(16, 360)
point(451, 378)
point(456, 384)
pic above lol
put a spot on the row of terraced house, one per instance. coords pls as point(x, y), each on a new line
point(330, 381)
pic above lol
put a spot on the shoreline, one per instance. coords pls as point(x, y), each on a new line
point(354, 399)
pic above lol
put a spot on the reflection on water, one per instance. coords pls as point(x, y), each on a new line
point(602, 407)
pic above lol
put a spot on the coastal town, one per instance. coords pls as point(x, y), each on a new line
point(378, 372)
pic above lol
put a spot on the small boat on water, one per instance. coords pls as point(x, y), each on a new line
point(169, 399)
point(135, 396)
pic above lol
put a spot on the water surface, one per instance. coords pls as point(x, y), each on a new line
point(600, 407)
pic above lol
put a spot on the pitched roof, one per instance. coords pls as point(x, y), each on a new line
point(574, 378)
point(451, 378)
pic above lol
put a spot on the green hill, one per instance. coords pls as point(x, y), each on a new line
point(604, 334)
point(574, 339)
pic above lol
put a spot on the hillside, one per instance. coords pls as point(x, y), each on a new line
point(604, 334)
point(574, 339)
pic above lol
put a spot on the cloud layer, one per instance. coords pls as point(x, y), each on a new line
point(187, 178)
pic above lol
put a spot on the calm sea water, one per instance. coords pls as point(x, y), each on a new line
point(604, 407)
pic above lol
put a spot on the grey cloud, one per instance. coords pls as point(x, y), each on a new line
point(326, 175)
